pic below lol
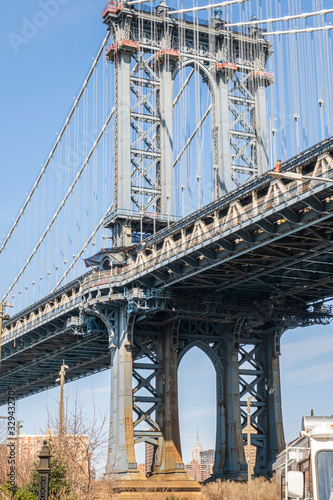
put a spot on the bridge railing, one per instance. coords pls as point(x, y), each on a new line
point(228, 216)
point(278, 195)
point(237, 216)
point(42, 314)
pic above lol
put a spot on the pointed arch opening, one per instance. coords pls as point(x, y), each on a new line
point(197, 408)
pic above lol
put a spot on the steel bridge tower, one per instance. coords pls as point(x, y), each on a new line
point(149, 48)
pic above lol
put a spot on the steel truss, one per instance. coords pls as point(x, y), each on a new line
point(146, 398)
point(145, 123)
point(154, 42)
point(250, 376)
point(243, 138)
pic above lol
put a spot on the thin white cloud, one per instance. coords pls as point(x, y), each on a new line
point(313, 373)
point(304, 350)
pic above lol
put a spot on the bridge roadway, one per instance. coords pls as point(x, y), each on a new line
point(263, 250)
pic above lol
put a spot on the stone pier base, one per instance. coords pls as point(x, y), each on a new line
point(154, 488)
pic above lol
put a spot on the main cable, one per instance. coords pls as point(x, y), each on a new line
point(76, 103)
point(207, 7)
point(304, 15)
point(328, 27)
point(61, 205)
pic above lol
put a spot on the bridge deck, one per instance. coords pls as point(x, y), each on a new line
point(270, 241)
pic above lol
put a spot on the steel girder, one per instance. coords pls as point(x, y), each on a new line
point(31, 355)
point(246, 364)
point(152, 43)
point(245, 240)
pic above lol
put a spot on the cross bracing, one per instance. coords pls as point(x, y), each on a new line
point(243, 227)
point(65, 157)
point(263, 253)
point(230, 278)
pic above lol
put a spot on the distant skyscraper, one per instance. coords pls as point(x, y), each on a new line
point(201, 466)
point(202, 463)
point(197, 448)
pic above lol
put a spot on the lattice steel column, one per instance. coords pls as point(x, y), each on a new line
point(260, 80)
point(235, 466)
point(259, 377)
point(121, 454)
point(271, 419)
point(170, 460)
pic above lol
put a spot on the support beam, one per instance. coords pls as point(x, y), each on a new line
point(235, 466)
point(261, 125)
point(224, 180)
point(166, 140)
point(121, 456)
point(169, 460)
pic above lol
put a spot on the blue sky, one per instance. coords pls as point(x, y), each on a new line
point(45, 58)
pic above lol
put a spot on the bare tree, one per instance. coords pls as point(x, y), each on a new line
point(81, 445)
point(3, 451)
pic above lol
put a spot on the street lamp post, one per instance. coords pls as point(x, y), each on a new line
point(168, 210)
point(199, 190)
point(154, 218)
point(18, 427)
point(249, 440)
point(183, 200)
point(296, 118)
point(321, 103)
point(62, 374)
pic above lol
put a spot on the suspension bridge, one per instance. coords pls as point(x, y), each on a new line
point(156, 225)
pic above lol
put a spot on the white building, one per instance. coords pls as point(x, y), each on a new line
point(197, 448)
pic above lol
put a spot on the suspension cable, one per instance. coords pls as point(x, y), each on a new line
point(82, 249)
point(207, 7)
point(304, 15)
point(183, 87)
point(188, 142)
point(328, 27)
point(61, 205)
point(76, 103)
